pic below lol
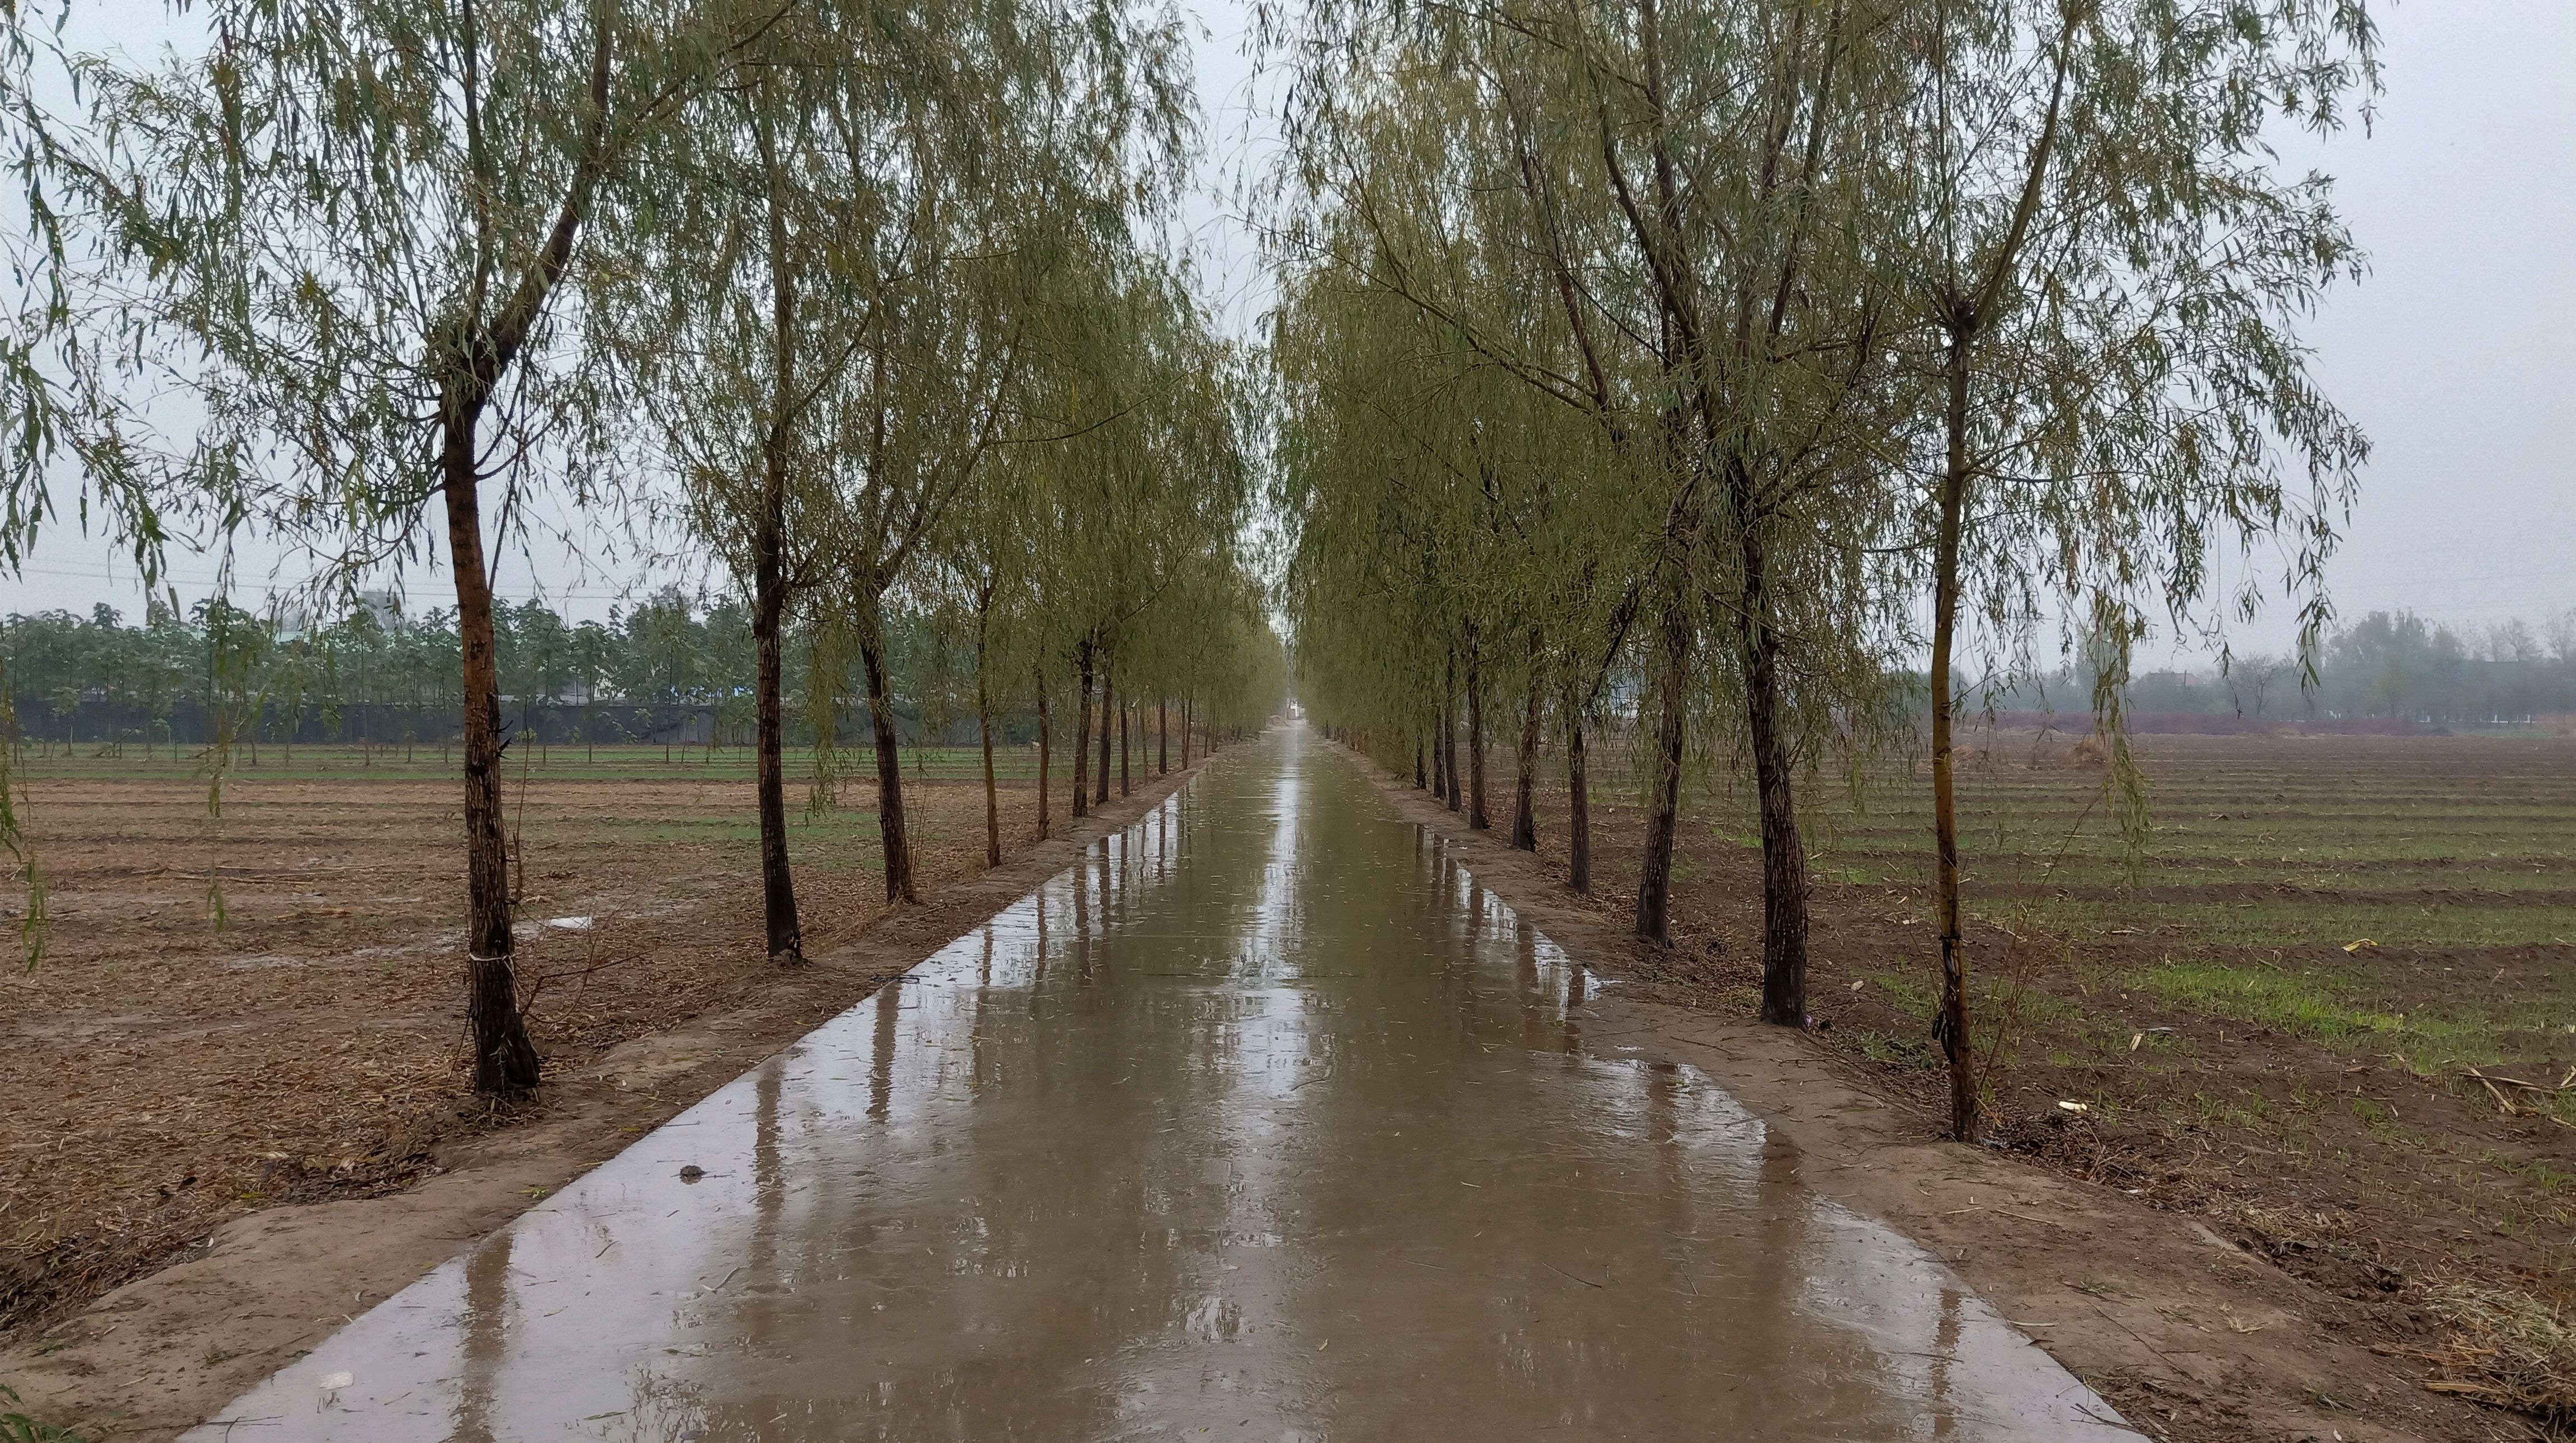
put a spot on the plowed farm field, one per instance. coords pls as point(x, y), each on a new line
point(2326, 1002)
point(263, 1004)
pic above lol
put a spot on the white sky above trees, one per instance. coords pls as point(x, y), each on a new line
point(2455, 353)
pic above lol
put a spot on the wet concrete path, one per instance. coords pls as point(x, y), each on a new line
point(1263, 1123)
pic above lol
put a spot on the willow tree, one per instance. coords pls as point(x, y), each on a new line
point(1766, 346)
point(72, 382)
point(946, 173)
point(716, 298)
point(346, 230)
point(1150, 487)
point(1720, 334)
point(838, 283)
point(987, 564)
point(1000, 570)
point(1437, 510)
point(2105, 270)
point(1191, 428)
point(1364, 473)
point(79, 420)
point(933, 402)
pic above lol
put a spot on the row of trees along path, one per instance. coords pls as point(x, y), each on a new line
point(1734, 360)
point(873, 306)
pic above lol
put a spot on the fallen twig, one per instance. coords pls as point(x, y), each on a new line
point(2503, 1102)
point(2491, 1079)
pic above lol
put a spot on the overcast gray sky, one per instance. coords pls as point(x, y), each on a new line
point(2458, 353)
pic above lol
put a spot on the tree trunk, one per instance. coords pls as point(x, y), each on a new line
point(769, 595)
point(1439, 767)
point(1045, 745)
point(1082, 731)
point(1123, 710)
point(891, 833)
point(1449, 728)
point(777, 882)
point(1417, 761)
point(1476, 818)
point(1578, 806)
point(1185, 733)
point(984, 730)
point(1525, 804)
point(1784, 850)
point(1950, 1027)
point(1663, 802)
point(505, 1060)
point(1162, 738)
point(1108, 706)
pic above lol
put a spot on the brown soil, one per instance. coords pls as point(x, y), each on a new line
point(170, 1084)
point(2218, 1275)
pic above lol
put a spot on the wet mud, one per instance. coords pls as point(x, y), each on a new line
point(1265, 1121)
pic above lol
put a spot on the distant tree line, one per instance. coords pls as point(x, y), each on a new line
point(667, 668)
point(2387, 666)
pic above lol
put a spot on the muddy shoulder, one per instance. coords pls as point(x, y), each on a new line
point(2191, 1335)
point(161, 1354)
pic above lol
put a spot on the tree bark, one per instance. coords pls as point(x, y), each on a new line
point(1417, 761)
point(769, 593)
point(891, 833)
point(1439, 772)
point(1578, 806)
point(1663, 804)
point(984, 728)
point(1108, 708)
point(1045, 745)
point(1476, 818)
point(1784, 850)
point(505, 1059)
point(1082, 731)
point(777, 881)
point(1525, 804)
point(1950, 1028)
point(1449, 728)
point(1185, 733)
point(1163, 738)
point(1124, 709)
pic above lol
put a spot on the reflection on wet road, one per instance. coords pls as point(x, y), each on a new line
point(1263, 1122)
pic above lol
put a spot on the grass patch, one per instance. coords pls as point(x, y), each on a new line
point(1912, 995)
point(1913, 1052)
point(2294, 924)
point(17, 1427)
point(2289, 1001)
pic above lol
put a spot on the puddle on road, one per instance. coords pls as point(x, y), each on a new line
point(1265, 1122)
